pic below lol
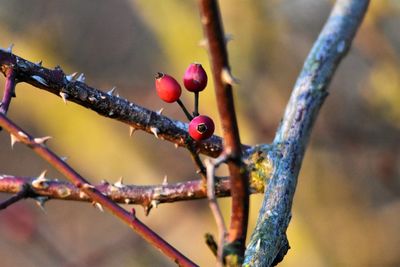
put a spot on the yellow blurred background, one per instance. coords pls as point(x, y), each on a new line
point(347, 206)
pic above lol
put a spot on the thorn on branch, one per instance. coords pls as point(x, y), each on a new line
point(40, 201)
point(155, 131)
point(41, 182)
point(131, 130)
point(14, 140)
point(98, 206)
point(40, 80)
point(64, 97)
point(23, 193)
point(71, 76)
point(228, 78)
point(10, 48)
point(42, 140)
point(111, 91)
point(81, 78)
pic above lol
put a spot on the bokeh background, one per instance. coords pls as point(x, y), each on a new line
point(346, 210)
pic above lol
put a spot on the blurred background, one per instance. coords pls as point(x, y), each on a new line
point(346, 210)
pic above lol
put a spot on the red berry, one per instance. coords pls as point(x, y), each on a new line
point(168, 89)
point(201, 127)
point(195, 78)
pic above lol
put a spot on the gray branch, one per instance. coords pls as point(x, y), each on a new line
point(268, 242)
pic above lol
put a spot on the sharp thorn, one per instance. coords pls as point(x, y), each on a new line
point(81, 78)
point(155, 131)
point(228, 37)
point(131, 130)
point(155, 203)
point(71, 76)
point(40, 80)
point(160, 111)
point(42, 140)
point(64, 97)
point(111, 91)
point(10, 48)
point(227, 77)
point(40, 201)
point(203, 43)
point(120, 183)
point(165, 181)
point(98, 206)
point(64, 158)
point(39, 63)
point(14, 140)
point(40, 181)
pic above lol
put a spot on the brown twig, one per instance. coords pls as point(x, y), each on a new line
point(21, 194)
point(105, 104)
point(214, 33)
point(95, 195)
point(124, 194)
point(216, 211)
point(9, 90)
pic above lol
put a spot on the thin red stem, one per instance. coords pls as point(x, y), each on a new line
point(9, 90)
point(214, 33)
point(96, 196)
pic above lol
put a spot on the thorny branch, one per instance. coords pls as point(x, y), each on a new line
point(121, 193)
point(96, 196)
point(223, 80)
point(268, 243)
point(24, 192)
point(104, 103)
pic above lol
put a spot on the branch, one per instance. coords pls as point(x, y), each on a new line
point(24, 192)
point(214, 33)
point(143, 195)
point(268, 242)
point(105, 104)
point(9, 90)
point(95, 195)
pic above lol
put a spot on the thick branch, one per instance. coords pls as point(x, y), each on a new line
point(125, 194)
point(105, 104)
point(268, 241)
point(95, 195)
point(214, 33)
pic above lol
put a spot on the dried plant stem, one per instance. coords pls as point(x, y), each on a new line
point(21, 194)
point(214, 33)
point(9, 90)
point(216, 211)
point(55, 81)
point(95, 195)
point(127, 194)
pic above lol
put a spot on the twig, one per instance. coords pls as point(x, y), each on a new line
point(9, 90)
point(126, 194)
point(107, 105)
point(24, 192)
point(216, 211)
point(268, 243)
point(214, 33)
point(95, 195)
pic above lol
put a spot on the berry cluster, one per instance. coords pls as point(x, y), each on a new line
point(195, 80)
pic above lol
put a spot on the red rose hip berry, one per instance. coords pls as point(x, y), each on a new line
point(195, 78)
point(201, 127)
point(168, 89)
